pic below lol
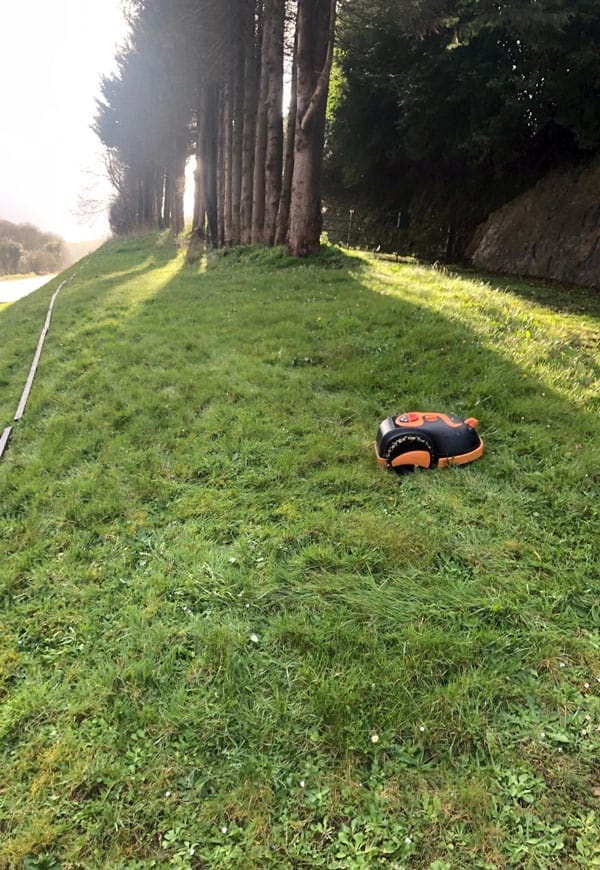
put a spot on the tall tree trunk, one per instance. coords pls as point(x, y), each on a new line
point(237, 134)
point(150, 219)
point(159, 194)
point(199, 218)
point(178, 216)
point(165, 213)
point(206, 206)
point(251, 80)
point(221, 171)
point(283, 214)
point(260, 148)
point(315, 31)
point(274, 149)
point(227, 149)
point(199, 215)
point(209, 145)
point(139, 202)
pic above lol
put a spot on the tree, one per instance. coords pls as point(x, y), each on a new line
point(10, 255)
point(283, 213)
point(314, 55)
point(274, 117)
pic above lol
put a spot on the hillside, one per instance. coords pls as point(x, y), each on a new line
point(551, 231)
point(230, 639)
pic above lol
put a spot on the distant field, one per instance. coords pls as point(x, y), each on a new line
point(230, 639)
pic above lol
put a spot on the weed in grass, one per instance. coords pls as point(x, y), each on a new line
point(214, 601)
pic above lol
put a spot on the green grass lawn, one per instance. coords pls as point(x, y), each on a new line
point(229, 638)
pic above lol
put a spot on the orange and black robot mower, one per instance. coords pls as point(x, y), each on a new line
point(426, 439)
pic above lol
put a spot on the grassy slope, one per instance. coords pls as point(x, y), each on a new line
point(229, 638)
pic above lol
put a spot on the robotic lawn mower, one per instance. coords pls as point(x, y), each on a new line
point(427, 440)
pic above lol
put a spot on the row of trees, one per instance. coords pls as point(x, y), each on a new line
point(24, 248)
point(451, 108)
point(441, 108)
point(206, 77)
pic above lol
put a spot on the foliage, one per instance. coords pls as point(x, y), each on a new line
point(229, 638)
point(24, 248)
point(471, 111)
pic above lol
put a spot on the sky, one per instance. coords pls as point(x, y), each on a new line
point(52, 54)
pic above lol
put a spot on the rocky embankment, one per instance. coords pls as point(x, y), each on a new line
point(551, 231)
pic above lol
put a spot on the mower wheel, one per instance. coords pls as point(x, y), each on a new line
point(410, 451)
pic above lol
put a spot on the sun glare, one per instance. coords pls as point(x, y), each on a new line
point(54, 54)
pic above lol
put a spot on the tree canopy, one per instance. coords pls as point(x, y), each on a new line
point(462, 103)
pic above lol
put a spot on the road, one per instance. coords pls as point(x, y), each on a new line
point(16, 288)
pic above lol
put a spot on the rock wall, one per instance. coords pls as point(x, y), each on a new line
point(551, 231)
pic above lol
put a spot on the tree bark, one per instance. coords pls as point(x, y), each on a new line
point(274, 148)
point(260, 148)
point(220, 152)
point(251, 83)
point(208, 165)
point(178, 215)
point(227, 148)
point(283, 214)
point(199, 215)
point(166, 198)
point(237, 132)
point(199, 218)
point(315, 31)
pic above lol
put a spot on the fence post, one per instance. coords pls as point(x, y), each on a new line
point(350, 216)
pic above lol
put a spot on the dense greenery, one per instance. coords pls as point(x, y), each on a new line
point(229, 638)
point(463, 105)
point(24, 248)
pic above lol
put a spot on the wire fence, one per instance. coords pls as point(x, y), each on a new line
point(393, 232)
point(355, 228)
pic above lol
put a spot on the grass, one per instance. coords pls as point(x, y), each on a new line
point(16, 276)
point(229, 638)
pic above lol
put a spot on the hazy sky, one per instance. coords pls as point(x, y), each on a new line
point(52, 53)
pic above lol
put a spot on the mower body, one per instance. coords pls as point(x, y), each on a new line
point(427, 439)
